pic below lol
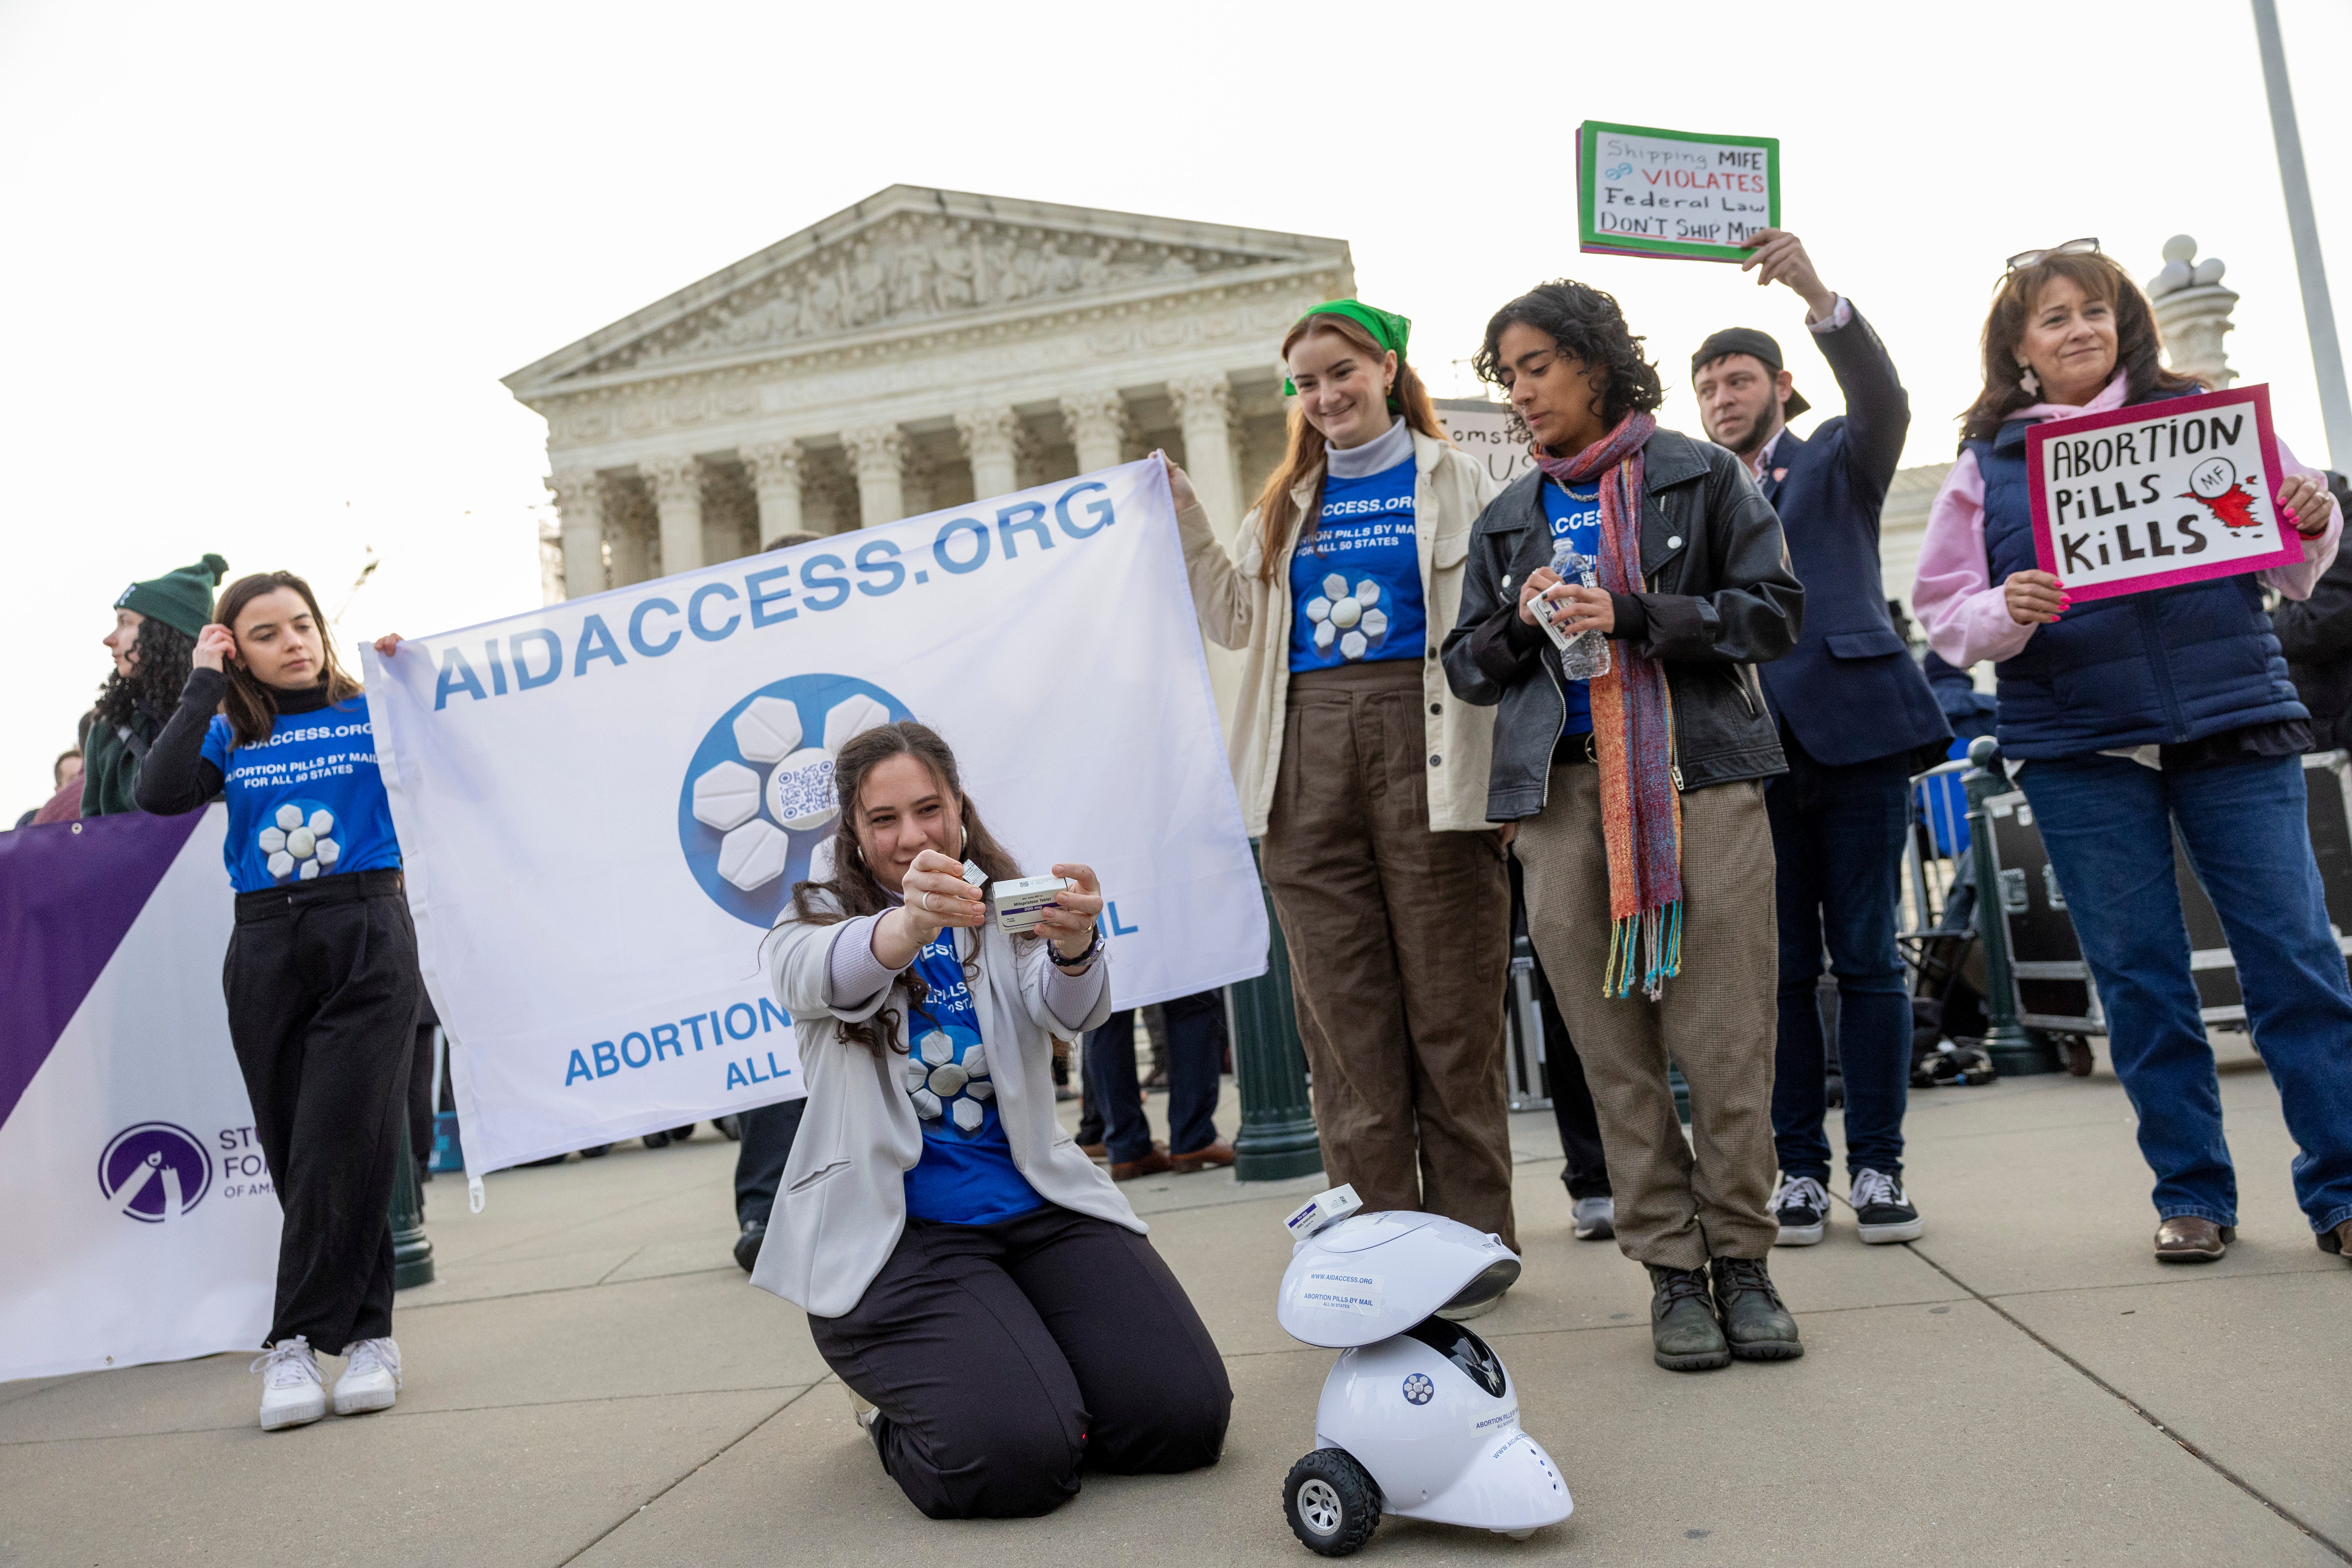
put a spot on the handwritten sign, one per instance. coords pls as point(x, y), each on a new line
point(2158, 494)
point(1642, 192)
point(1487, 434)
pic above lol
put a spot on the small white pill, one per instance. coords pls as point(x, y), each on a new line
point(329, 851)
point(290, 817)
point(1368, 593)
point(273, 839)
point(968, 1115)
point(299, 843)
point(322, 823)
point(1346, 613)
point(310, 869)
point(1334, 586)
point(281, 864)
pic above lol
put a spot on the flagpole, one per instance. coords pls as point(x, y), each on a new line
point(2319, 315)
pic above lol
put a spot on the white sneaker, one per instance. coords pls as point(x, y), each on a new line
point(1596, 1219)
point(1802, 1209)
point(371, 1377)
point(292, 1394)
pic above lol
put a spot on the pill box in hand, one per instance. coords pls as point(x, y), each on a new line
point(1018, 902)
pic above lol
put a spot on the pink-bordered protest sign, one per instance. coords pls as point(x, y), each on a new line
point(2158, 494)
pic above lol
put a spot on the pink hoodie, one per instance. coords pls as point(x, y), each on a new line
point(1966, 617)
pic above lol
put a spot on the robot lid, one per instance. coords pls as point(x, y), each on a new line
point(1370, 1276)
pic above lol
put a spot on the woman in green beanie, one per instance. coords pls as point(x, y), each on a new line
point(153, 641)
point(1364, 778)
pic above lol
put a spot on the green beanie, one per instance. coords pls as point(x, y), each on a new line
point(181, 600)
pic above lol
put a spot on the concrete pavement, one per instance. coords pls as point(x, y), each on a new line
point(591, 1380)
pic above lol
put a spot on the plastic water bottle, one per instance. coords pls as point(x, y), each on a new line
point(1585, 654)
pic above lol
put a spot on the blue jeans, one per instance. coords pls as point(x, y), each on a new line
point(1837, 834)
point(2107, 823)
point(1196, 1051)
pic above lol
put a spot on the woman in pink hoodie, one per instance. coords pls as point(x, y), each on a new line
point(2125, 717)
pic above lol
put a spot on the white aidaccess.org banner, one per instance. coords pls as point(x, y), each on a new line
point(137, 1218)
point(604, 805)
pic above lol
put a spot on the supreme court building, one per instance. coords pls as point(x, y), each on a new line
point(925, 349)
point(920, 349)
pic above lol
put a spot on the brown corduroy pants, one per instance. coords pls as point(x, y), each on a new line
point(1400, 942)
point(1677, 1203)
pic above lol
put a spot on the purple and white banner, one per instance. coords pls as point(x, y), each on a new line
point(137, 1220)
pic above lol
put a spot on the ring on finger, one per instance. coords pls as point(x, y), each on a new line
point(926, 904)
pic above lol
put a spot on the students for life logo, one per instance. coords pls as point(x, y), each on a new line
point(154, 1172)
point(757, 799)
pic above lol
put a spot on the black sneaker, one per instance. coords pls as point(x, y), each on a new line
point(1881, 1211)
point(747, 1246)
point(1801, 1208)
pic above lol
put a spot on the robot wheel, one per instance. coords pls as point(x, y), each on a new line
point(1331, 1502)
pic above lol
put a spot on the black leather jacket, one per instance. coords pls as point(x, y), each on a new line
point(1719, 596)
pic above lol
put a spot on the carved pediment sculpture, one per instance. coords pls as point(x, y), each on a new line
point(908, 256)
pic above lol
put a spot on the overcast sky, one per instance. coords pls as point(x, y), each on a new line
point(264, 265)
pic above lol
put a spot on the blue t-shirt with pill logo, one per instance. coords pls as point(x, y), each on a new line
point(306, 803)
point(1575, 514)
point(1355, 581)
point(966, 1175)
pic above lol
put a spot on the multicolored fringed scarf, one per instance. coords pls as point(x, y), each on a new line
point(1633, 735)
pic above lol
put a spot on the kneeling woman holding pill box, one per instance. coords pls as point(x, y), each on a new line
point(979, 1284)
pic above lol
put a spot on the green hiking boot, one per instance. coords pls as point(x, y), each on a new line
point(1683, 1335)
point(1759, 1327)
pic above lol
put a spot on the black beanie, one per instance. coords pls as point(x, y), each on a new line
point(181, 600)
point(1758, 345)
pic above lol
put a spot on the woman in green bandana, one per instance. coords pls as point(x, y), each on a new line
point(154, 639)
point(1363, 774)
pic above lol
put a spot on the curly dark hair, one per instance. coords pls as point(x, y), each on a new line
point(165, 653)
point(1586, 323)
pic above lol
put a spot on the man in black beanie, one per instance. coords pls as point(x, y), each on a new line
point(153, 641)
point(1856, 718)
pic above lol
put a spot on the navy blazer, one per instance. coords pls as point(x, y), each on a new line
point(1850, 689)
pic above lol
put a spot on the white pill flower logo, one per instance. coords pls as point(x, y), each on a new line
point(947, 1078)
point(1350, 617)
point(758, 799)
point(298, 842)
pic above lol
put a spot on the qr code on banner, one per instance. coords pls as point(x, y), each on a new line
point(804, 791)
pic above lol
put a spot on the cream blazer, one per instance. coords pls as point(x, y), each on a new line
point(1239, 611)
point(841, 1203)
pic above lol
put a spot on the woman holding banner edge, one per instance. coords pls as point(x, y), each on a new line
point(320, 977)
point(1362, 776)
point(980, 1285)
point(2128, 717)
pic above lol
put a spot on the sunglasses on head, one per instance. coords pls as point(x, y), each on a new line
point(2086, 247)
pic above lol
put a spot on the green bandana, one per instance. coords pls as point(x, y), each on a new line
point(1387, 329)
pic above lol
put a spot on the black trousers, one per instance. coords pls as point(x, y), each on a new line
point(420, 1086)
point(1003, 1356)
point(1196, 1052)
point(322, 993)
point(768, 1133)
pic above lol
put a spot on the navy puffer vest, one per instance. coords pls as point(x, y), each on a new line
point(2154, 668)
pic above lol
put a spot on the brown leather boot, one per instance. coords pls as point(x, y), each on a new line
point(2338, 1241)
point(2189, 1238)
point(1217, 1152)
point(1152, 1164)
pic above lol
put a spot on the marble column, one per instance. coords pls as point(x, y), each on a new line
point(629, 532)
point(1204, 410)
point(1098, 426)
point(580, 503)
point(2192, 312)
point(776, 479)
point(991, 440)
point(677, 498)
point(879, 453)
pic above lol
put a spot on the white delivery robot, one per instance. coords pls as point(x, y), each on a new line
point(1418, 1418)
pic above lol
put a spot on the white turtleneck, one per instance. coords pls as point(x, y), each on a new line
point(1377, 456)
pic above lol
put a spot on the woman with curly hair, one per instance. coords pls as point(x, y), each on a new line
point(154, 643)
point(983, 1291)
point(1365, 782)
point(1639, 795)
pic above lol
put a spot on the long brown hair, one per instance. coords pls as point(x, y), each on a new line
point(1304, 456)
point(852, 890)
point(2140, 345)
point(251, 706)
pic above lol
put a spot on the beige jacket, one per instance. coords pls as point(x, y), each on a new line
point(1239, 611)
